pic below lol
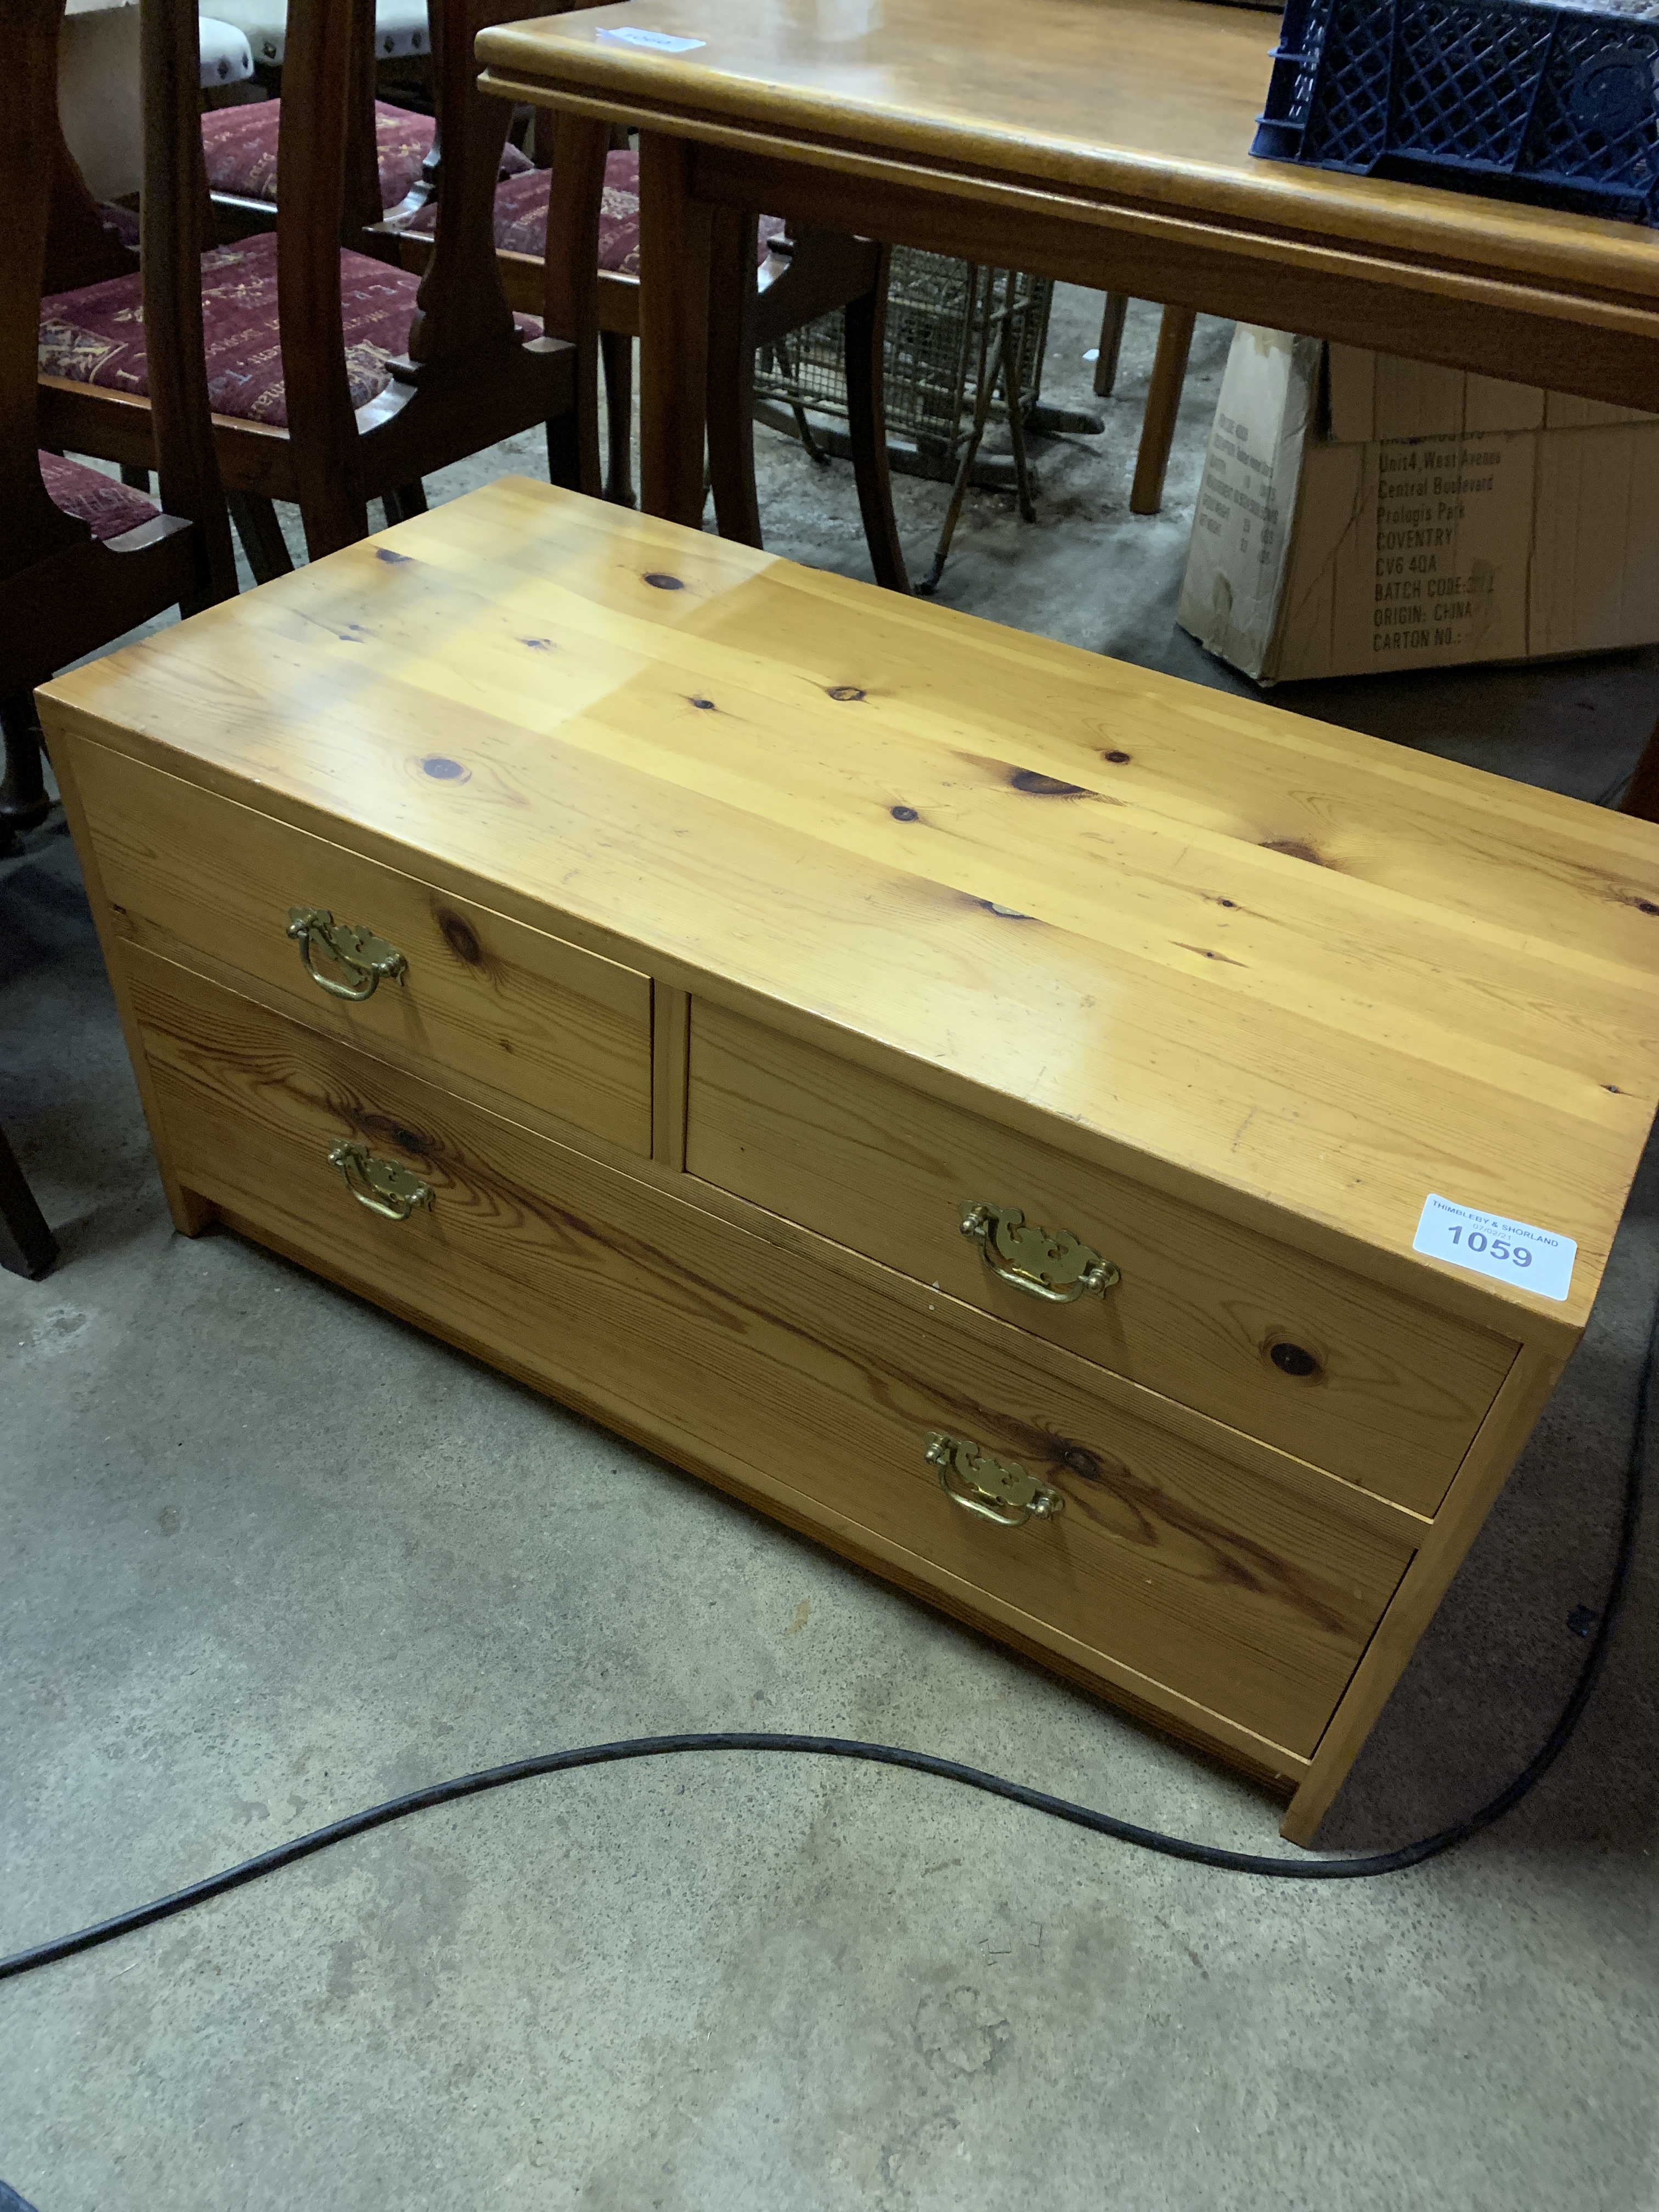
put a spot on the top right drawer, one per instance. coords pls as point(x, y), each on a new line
point(1341, 1372)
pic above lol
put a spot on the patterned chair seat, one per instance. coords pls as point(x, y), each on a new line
point(240, 144)
point(108, 507)
point(96, 335)
point(521, 217)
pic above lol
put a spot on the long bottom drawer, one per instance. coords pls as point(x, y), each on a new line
point(1235, 1604)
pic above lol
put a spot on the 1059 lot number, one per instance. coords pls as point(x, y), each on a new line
point(1496, 1248)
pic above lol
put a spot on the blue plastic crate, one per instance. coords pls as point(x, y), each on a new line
point(1517, 98)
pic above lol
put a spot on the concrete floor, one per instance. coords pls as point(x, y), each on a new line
point(270, 1556)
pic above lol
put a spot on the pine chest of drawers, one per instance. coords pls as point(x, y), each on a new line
point(1026, 1121)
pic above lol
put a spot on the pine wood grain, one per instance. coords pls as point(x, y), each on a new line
point(1399, 1391)
point(1210, 1585)
point(521, 1011)
point(1296, 976)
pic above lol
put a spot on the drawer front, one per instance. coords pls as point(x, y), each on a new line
point(481, 1000)
point(1340, 1373)
point(1193, 1582)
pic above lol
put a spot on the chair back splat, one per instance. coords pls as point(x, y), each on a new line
point(463, 286)
point(468, 360)
point(462, 302)
point(30, 146)
point(318, 84)
point(174, 226)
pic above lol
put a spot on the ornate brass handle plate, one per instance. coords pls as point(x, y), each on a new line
point(1045, 1263)
point(365, 959)
point(382, 1185)
point(997, 1490)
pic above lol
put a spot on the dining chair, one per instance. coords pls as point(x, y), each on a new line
point(789, 280)
point(83, 558)
point(335, 378)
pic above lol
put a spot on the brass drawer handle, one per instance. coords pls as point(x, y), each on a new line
point(365, 959)
point(382, 1185)
point(997, 1490)
point(1045, 1263)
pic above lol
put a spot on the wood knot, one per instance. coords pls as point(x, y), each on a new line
point(1293, 1358)
point(381, 1128)
point(461, 938)
point(660, 581)
point(1080, 1461)
point(1038, 785)
point(1294, 848)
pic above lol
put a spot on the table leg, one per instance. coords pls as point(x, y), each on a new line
point(674, 251)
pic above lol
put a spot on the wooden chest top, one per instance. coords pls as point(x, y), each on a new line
point(1203, 940)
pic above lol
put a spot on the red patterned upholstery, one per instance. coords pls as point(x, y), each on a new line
point(96, 335)
point(240, 147)
point(521, 217)
point(109, 506)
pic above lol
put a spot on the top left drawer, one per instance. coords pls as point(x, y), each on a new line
point(477, 999)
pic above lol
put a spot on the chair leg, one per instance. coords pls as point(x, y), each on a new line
point(23, 801)
point(27, 1247)
point(731, 375)
point(1111, 343)
point(616, 353)
point(261, 534)
point(1641, 796)
point(865, 327)
point(1175, 338)
point(407, 501)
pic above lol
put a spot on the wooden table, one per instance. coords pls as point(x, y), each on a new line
point(1103, 142)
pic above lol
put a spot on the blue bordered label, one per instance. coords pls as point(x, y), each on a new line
point(1490, 1244)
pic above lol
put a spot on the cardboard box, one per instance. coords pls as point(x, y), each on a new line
point(1361, 513)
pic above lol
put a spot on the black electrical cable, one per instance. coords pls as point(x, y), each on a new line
point(923, 1762)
